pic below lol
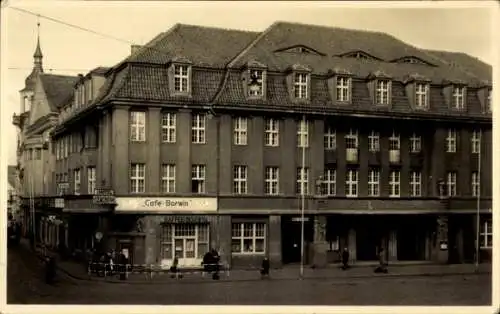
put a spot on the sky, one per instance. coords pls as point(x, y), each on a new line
point(68, 50)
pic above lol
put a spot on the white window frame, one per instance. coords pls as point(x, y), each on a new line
point(451, 184)
point(240, 177)
point(181, 75)
point(394, 183)
point(351, 183)
point(198, 128)
point(240, 132)
point(374, 182)
point(242, 237)
point(271, 132)
point(168, 127)
point(260, 80)
point(382, 91)
point(476, 141)
point(168, 178)
point(91, 180)
point(458, 96)
point(422, 95)
point(330, 138)
point(300, 83)
point(475, 184)
point(486, 232)
point(138, 126)
point(303, 134)
point(302, 181)
point(77, 179)
point(415, 143)
point(198, 173)
point(374, 141)
point(351, 138)
point(343, 88)
point(137, 178)
point(330, 182)
point(395, 141)
point(272, 177)
point(416, 184)
point(451, 141)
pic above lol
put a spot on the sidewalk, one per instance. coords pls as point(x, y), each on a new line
point(79, 271)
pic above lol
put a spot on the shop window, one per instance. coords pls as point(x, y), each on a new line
point(248, 238)
point(189, 242)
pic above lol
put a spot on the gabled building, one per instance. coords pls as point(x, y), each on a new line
point(210, 137)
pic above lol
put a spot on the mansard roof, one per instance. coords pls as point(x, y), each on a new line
point(58, 88)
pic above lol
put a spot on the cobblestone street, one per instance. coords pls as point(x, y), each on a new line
point(25, 286)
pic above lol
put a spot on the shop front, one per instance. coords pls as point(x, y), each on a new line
point(155, 230)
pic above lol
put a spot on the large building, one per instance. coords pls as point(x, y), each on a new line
point(209, 137)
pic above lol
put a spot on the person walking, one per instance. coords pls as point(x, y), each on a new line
point(264, 270)
point(215, 261)
point(382, 268)
point(345, 259)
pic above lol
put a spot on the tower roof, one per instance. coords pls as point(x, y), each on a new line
point(38, 50)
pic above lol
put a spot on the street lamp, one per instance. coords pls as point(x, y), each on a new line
point(211, 115)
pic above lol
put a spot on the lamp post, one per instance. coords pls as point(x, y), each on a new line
point(478, 203)
point(211, 115)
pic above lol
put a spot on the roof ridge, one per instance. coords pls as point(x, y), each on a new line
point(457, 66)
point(330, 27)
point(217, 28)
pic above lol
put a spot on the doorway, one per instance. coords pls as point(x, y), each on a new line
point(368, 241)
point(291, 238)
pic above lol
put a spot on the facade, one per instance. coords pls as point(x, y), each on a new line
point(390, 146)
point(12, 197)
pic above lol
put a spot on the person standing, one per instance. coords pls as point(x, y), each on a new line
point(264, 270)
point(215, 261)
point(345, 259)
point(382, 268)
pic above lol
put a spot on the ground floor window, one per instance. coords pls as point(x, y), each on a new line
point(186, 241)
point(248, 238)
point(486, 234)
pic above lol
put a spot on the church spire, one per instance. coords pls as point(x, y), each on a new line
point(38, 56)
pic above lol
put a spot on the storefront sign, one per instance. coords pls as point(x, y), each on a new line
point(299, 219)
point(103, 196)
point(165, 204)
point(183, 219)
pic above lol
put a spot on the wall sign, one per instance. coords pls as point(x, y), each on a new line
point(103, 196)
point(165, 204)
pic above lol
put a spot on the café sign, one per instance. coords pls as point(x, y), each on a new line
point(166, 204)
point(103, 196)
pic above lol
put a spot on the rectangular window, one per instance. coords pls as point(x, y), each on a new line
point(415, 184)
point(351, 183)
point(272, 181)
point(303, 134)
point(459, 97)
point(451, 141)
point(240, 131)
point(343, 86)
point(248, 238)
point(168, 178)
point(475, 184)
point(138, 126)
point(476, 141)
point(77, 181)
point(168, 123)
point(240, 175)
point(300, 85)
point(302, 183)
point(256, 83)
point(271, 132)
point(351, 139)
point(374, 182)
point(394, 184)
point(374, 141)
point(91, 180)
point(451, 184)
point(382, 92)
point(415, 143)
point(330, 138)
point(198, 179)
point(181, 78)
point(421, 95)
point(330, 182)
point(394, 142)
point(486, 234)
point(198, 129)
point(137, 178)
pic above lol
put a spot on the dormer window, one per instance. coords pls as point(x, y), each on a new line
point(458, 97)
point(300, 83)
point(422, 95)
point(256, 83)
point(382, 91)
point(181, 78)
point(343, 89)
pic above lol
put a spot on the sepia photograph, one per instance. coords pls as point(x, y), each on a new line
point(161, 153)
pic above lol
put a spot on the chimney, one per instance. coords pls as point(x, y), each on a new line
point(134, 48)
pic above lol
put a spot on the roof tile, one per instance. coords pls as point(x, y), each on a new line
point(58, 88)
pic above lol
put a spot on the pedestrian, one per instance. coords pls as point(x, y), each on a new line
point(215, 261)
point(208, 262)
point(174, 269)
point(345, 259)
point(50, 270)
point(264, 269)
point(382, 268)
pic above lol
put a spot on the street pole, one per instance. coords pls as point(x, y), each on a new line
point(303, 200)
point(478, 201)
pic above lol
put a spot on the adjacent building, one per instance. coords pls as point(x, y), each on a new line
point(12, 197)
point(209, 137)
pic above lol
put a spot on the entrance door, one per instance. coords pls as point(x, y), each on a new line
point(291, 239)
point(185, 250)
point(125, 246)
